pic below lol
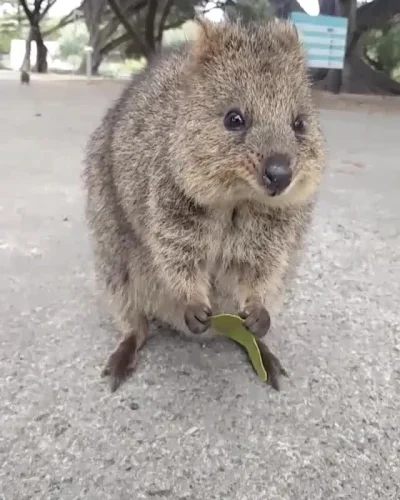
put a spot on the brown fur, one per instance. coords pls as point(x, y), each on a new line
point(179, 220)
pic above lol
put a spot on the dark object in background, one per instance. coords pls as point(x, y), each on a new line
point(25, 77)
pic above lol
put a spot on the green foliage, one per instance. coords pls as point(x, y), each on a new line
point(382, 50)
point(179, 35)
point(16, 26)
point(10, 25)
point(249, 10)
point(388, 50)
point(8, 31)
point(73, 39)
point(48, 25)
point(123, 69)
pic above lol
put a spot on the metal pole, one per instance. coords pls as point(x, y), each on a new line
point(88, 51)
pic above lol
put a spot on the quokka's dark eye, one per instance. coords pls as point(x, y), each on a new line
point(299, 125)
point(234, 120)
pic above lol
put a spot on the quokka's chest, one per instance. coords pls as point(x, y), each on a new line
point(247, 239)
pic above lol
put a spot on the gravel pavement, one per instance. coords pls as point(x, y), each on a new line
point(195, 423)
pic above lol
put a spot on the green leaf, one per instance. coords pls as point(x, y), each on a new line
point(231, 326)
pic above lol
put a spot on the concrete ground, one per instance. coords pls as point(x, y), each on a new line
point(195, 423)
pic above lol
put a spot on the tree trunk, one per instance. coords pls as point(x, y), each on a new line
point(93, 11)
point(358, 76)
point(41, 50)
point(97, 59)
point(26, 63)
point(41, 56)
point(340, 78)
point(95, 66)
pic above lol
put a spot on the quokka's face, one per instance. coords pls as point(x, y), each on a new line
point(251, 130)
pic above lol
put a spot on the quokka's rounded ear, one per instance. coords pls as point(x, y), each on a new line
point(288, 29)
point(208, 40)
point(295, 31)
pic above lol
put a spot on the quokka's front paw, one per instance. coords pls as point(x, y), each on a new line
point(256, 319)
point(198, 317)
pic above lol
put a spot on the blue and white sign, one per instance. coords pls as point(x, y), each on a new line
point(324, 38)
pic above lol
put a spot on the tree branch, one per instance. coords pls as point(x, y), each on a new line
point(64, 21)
point(28, 13)
point(127, 25)
point(93, 12)
point(125, 37)
point(113, 44)
point(161, 25)
point(36, 7)
point(174, 25)
point(49, 5)
point(149, 24)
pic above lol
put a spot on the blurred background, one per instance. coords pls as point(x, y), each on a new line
point(50, 36)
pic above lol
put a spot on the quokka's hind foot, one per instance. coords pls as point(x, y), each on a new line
point(272, 365)
point(122, 362)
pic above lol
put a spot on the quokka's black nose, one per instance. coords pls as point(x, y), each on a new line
point(277, 173)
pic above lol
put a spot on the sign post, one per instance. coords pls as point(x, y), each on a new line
point(88, 51)
point(323, 37)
